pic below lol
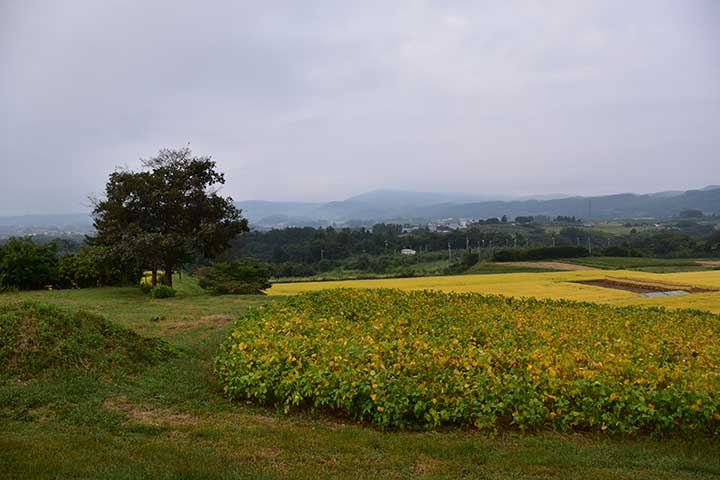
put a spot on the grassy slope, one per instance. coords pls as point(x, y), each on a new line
point(170, 421)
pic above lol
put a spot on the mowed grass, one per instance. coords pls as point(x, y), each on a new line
point(171, 421)
point(544, 285)
point(657, 265)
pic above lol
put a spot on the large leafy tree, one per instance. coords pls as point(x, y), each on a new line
point(167, 214)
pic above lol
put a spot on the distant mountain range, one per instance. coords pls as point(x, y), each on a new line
point(418, 207)
point(391, 205)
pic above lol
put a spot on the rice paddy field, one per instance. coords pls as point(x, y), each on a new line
point(555, 285)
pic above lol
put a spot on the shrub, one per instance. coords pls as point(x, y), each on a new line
point(423, 359)
point(95, 266)
point(464, 263)
point(26, 265)
point(247, 277)
point(162, 291)
point(145, 286)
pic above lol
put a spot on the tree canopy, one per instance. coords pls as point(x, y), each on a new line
point(167, 214)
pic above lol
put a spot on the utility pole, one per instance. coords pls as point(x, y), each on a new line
point(449, 253)
point(467, 243)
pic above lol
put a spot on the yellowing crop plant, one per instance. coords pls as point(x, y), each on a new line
point(422, 359)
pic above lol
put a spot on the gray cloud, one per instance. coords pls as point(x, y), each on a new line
point(321, 100)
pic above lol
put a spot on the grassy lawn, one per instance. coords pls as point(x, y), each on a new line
point(170, 420)
point(492, 267)
point(659, 265)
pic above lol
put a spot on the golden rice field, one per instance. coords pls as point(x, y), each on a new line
point(557, 285)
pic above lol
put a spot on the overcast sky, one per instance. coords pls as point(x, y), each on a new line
point(320, 100)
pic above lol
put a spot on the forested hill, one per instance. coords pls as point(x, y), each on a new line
point(409, 206)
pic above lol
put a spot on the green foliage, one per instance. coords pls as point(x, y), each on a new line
point(95, 266)
point(544, 253)
point(467, 261)
point(423, 359)
point(146, 287)
point(37, 338)
point(26, 265)
point(712, 244)
point(162, 291)
point(616, 251)
point(246, 277)
point(168, 214)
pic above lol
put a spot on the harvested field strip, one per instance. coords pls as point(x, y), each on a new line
point(642, 287)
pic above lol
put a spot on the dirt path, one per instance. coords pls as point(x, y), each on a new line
point(709, 263)
point(551, 265)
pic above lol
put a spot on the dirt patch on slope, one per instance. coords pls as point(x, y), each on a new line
point(148, 416)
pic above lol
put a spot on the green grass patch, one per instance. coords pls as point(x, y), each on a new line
point(491, 267)
point(37, 338)
point(635, 263)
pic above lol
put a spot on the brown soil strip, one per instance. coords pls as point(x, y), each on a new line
point(548, 265)
point(709, 263)
point(637, 287)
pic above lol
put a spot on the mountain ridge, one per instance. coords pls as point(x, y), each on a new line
point(419, 207)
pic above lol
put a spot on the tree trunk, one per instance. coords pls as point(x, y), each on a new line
point(154, 277)
point(168, 276)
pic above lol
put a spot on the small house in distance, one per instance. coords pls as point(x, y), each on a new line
point(407, 251)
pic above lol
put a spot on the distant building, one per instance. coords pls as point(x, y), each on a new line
point(407, 251)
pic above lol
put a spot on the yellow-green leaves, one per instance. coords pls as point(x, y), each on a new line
point(422, 359)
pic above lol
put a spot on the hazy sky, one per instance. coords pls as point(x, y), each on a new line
point(320, 100)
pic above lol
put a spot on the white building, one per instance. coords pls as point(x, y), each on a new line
point(407, 251)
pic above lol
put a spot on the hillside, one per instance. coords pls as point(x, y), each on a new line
point(409, 206)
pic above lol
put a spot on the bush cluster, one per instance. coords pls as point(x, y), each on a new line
point(162, 291)
point(423, 359)
point(246, 277)
point(27, 265)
